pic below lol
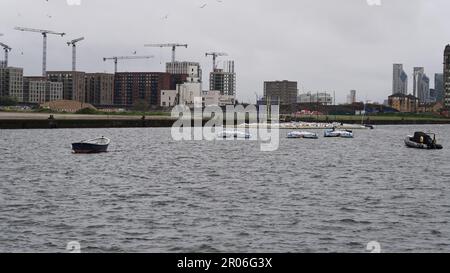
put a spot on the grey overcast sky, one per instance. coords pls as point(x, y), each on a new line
point(325, 45)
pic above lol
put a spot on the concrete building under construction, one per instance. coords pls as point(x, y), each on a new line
point(224, 80)
point(183, 68)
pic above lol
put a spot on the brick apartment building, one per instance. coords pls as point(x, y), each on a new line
point(131, 87)
point(100, 88)
point(74, 84)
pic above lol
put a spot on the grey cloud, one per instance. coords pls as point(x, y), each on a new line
point(324, 44)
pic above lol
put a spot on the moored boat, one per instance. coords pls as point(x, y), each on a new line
point(233, 134)
point(421, 140)
point(304, 126)
point(297, 134)
point(97, 145)
point(338, 133)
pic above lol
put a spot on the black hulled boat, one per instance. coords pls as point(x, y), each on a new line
point(421, 140)
point(97, 145)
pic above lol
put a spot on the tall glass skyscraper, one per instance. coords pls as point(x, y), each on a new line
point(439, 86)
point(447, 76)
point(400, 80)
point(421, 85)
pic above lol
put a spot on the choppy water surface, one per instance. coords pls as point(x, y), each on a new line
point(151, 194)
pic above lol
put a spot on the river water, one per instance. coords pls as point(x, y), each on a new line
point(152, 194)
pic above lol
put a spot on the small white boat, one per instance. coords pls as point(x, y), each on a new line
point(233, 134)
point(305, 126)
point(338, 133)
point(297, 134)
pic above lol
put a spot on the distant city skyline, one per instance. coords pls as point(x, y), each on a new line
point(427, 89)
point(347, 45)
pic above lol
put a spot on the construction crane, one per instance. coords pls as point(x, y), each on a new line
point(215, 55)
point(173, 46)
point(116, 59)
point(44, 36)
point(7, 49)
point(73, 43)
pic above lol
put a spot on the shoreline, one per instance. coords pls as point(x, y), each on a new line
point(13, 120)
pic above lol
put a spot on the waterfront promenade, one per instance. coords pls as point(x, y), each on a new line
point(30, 120)
point(45, 116)
point(14, 120)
